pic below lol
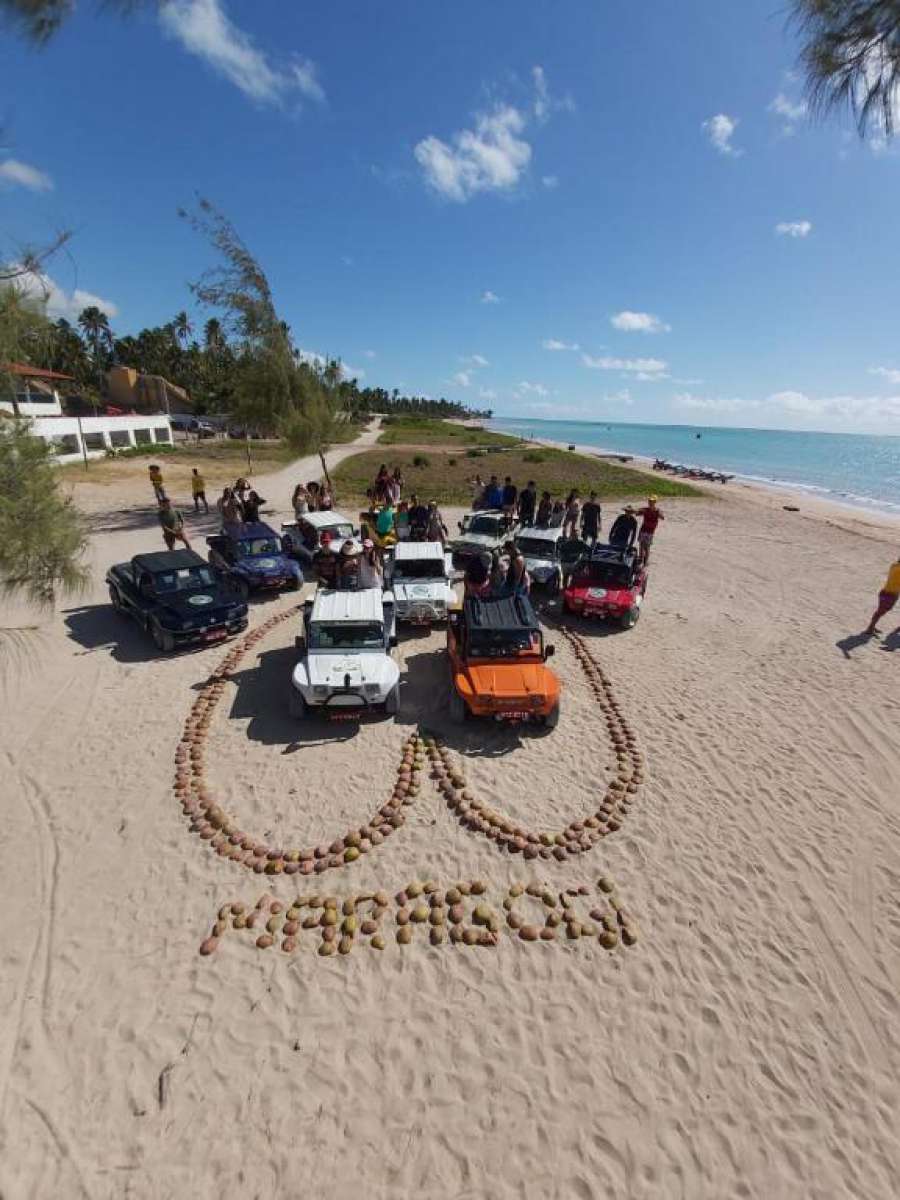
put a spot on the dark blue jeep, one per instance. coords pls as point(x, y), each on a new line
point(254, 558)
point(178, 598)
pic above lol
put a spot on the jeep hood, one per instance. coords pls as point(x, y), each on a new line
point(615, 597)
point(511, 680)
point(269, 564)
point(191, 605)
point(477, 541)
point(420, 591)
point(330, 670)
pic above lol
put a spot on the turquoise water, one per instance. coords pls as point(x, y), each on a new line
point(858, 469)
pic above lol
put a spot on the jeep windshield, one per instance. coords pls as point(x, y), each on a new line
point(502, 643)
point(603, 574)
point(186, 580)
point(337, 531)
point(536, 547)
point(254, 547)
point(486, 525)
point(419, 568)
point(361, 635)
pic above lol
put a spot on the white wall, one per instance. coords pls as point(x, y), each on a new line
point(125, 430)
point(37, 406)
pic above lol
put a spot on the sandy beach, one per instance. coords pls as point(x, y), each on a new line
point(745, 1046)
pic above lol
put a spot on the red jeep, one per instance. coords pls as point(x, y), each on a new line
point(610, 584)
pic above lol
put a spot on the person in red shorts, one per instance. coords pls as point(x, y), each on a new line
point(651, 516)
point(887, 597)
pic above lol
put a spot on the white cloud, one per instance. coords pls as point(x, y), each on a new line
point(204, 29)
point(556, 344)
point(719, 404)
point(462, 379)
point(550, 181)
point(526, 388)
point(490, 158)
point(720, 130)
point(312, 359)
point(475, 360)
point(638, 322)
point(544, 103)
point(59, 302)
point(794, 405)
point(348, 372)
point(891, 374)
point(369, 354)
point(790, 112)
point(487, 394)
point(794, 229)
point(641, 366)
point(19, 174)
point(489, 297)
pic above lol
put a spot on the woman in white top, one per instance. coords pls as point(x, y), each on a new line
point(371, 573)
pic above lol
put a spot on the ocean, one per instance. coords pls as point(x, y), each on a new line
point(862, 470)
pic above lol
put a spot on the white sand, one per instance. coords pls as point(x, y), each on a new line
point(746, 1046)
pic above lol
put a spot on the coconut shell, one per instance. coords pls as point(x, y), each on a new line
point(326, 949)
point(470, 936)
point(289, 945)
point(404, 935)
point(529, 933)
point(264, 941)
point(420, 913)
point(369, 926)
point(377, 942)
point(209, 946)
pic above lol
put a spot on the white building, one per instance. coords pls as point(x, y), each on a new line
point(74, 437)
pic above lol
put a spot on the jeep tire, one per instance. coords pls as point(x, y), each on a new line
point(392, 703)
point(552, 718)
point(458, 709)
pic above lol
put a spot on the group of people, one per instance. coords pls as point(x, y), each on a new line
point(576, 517)
point(501, 573)
point(238, 505)
point(350, 568)
point(312, 497)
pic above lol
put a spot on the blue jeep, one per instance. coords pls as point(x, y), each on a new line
point(254, 558)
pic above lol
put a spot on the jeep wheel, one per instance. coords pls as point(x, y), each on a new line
point(553, 585)
point(458, 708)
point(552, 718)
point(164, 640)
point(296, 703)
point(630, 619)
point(116, 600)
point(392, 704)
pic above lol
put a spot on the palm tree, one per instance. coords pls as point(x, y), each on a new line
point(94, 325)
point(182, 328)
point(851, 56)
point(213, 336)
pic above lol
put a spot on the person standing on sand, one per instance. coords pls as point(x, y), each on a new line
point(591, 519)
point(624, 529)
point(527, 503)
point(650, 519)
point(156, 479)
point(545, 510)
point(573, 512)
point(172, 524)
point(887, 597)
point(198, 490)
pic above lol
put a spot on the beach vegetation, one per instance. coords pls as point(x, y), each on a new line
point(559, 472)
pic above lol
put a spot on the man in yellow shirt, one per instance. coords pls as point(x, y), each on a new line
point(198, 490)
point(156, 478)
point(887, 597)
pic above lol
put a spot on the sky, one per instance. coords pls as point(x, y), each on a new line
point(587, 210)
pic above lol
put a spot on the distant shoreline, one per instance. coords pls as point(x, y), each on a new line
point(824, 501)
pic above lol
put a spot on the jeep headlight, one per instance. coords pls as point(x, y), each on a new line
point(371, 689)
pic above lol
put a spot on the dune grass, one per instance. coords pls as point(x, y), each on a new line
point(430, 431)
point(443, 475)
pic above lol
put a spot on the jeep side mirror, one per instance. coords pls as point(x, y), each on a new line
point(549, 651)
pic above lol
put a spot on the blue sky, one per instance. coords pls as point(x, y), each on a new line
point(590, 210)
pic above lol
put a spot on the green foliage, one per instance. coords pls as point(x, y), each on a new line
point(411, 431)
point(534, 456)
point(42, 535)
point(24, 333)
point(151, 451)
point(420, 460)
point(558, 473)
point(37, 19)
point(851, 57)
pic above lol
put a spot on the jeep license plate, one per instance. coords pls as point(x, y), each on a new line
point(513, 716)
point(214, 635)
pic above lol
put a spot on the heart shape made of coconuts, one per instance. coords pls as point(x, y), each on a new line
point(213, 825)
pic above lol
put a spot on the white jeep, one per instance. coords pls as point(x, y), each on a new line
point(420, 575)
point(346, 661)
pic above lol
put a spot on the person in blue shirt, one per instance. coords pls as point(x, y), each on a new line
point(493, 494)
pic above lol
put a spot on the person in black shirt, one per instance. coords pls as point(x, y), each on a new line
point(624, 529)
point(545, 510)
point(252, 505)
point(527, 501)
point(590, 519)
point(510, 495)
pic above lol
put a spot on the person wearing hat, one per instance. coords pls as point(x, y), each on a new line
point(325, 562)
point(650, 518)
point(624, 529)
point(591, 520)
point(371, 574)
point(348, 567)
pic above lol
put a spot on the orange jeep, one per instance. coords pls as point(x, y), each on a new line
point(498, 663)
